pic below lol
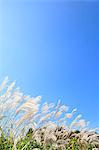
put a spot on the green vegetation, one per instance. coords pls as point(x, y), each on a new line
point(28, 143)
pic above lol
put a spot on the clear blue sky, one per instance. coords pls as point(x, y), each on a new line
point(51, 49)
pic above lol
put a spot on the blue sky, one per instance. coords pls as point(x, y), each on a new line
point(51, 49)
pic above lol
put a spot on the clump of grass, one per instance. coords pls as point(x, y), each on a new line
point(26, 123)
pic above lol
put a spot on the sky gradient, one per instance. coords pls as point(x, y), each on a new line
point(51, 49)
